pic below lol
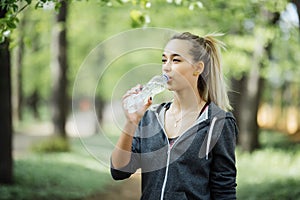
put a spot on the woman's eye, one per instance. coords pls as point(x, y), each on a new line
point(164, 60)
point(176, 60)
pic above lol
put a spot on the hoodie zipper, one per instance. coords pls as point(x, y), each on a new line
point(168, 153)
point(166, 174)
point(168, 159)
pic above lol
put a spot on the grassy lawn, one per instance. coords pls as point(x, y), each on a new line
point(59, 176)
point(269, 173)
point(272, 172)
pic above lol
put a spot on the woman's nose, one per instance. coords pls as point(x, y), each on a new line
point(166, 67)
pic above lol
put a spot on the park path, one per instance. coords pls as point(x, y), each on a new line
point(25, 137)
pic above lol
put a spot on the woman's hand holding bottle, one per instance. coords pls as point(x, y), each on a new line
point(135, 117)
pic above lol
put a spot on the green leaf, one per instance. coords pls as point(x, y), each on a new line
point(120, 2)
point(15, 7)
point(11, 25)
point(2, 38)
point(137, 18)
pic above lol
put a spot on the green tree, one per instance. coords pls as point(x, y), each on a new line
point(252, 82)
point(6, 162)
point(59, 67)
point(17, 75)
point(8, 20)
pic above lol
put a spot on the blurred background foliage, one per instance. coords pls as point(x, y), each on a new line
point(239, 21)
point(244, 23)
point(262, 55)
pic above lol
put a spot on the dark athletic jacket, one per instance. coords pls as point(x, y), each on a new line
point(200, 164)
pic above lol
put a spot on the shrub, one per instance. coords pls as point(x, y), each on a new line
point(51, 145)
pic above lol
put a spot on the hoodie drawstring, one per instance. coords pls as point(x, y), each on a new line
point(209, 136)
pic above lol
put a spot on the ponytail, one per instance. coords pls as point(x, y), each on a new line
point(211, 84)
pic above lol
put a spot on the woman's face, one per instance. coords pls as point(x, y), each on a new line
point(177, 63)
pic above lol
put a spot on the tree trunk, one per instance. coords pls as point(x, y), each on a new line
point(59, 67)
point(250, 96)
point(247, 119)
point(252, 91)
point(297, 3)
point(6, 163)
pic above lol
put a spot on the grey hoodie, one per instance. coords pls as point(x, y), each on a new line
point(200, 164)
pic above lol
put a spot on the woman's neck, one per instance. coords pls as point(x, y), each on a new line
point(187, 100)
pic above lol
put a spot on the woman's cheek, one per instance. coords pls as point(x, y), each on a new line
point(182, 74)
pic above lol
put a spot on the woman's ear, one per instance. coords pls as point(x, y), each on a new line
point(199, 67)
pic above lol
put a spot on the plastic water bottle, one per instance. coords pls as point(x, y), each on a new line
point(135, 101)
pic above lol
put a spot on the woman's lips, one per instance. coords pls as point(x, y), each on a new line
point(170, 78)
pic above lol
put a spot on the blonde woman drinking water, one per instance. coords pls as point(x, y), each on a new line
point(185, 148)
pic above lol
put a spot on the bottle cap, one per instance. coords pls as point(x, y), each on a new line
point(165, 78)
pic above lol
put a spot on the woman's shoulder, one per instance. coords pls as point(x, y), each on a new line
point(223, 120)
point(216, 111)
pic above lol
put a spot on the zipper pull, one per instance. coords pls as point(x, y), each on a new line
point(169, 150)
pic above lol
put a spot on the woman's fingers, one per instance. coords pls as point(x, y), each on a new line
point(147, 105)
point(149, 102)
point(135, 90)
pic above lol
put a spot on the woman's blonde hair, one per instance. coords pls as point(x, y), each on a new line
point(211, 84)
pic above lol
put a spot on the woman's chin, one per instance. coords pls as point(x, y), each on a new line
point(170, 88)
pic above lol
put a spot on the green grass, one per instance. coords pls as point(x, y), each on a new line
point(59, 176)
point(271, 172)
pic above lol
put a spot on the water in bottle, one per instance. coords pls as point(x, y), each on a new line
point(135, 101)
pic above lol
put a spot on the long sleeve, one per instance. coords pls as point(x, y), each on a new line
point(223, 169)
point(131, 167)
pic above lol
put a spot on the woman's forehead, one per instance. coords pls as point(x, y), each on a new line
point(179, 47)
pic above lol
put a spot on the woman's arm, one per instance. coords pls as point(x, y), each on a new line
point(122, 153)
point(223, 169)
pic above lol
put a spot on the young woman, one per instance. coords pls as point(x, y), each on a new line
point(184, 148)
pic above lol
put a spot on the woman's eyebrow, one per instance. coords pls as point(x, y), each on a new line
point(172, 55)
